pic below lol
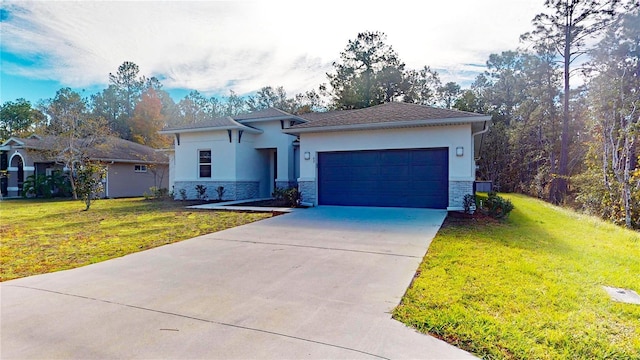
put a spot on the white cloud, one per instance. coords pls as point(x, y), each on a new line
point(216, 46)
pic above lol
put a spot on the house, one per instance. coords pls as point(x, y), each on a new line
point(131, 168)
point(247, 155)
point(394, 154)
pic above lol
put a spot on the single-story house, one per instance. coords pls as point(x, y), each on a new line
point(394, 154)
point(131, 168)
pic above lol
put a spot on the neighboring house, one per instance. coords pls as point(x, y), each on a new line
point(394, 154)
point(131, 168)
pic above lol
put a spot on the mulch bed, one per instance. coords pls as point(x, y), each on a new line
point(458, 218)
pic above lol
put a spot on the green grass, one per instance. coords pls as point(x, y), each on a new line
point(41, 236)
point(529, 287)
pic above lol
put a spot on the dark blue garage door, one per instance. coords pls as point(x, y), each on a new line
point(399, 178)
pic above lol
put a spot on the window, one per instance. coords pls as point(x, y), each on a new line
point(204, 163)
point(140, 168)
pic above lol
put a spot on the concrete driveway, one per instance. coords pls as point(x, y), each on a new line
point(317, 283)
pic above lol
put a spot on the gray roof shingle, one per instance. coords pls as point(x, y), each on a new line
point(108, 148)
point(383, 113)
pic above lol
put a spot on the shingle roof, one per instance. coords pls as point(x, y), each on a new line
point(263, 114)
point(221, 122)
point(384, 113)
point(107, 148)
point(228, 122)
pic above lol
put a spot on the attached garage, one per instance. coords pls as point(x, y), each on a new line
point(389, 155)
point(416, 178)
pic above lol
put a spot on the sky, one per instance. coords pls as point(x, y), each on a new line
point(214, 46)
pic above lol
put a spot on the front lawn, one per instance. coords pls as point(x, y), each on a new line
point(529, 287)
point(41, 236)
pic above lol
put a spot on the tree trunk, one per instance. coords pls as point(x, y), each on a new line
point(560, 182)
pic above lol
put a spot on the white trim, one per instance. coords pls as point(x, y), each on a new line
point(13, 188)
point(12, 168)
point(390, 125)
point(29, 168)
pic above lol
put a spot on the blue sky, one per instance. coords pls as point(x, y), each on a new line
point(214, 47)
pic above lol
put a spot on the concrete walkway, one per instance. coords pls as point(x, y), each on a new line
point(313, 284)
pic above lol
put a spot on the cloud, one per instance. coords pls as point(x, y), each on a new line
point(209, 45)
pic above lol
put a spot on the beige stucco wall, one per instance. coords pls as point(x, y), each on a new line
point(123, 181)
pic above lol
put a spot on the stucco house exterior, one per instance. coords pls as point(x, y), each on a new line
point(248, 155)
point(131, 168)
point(394, 154)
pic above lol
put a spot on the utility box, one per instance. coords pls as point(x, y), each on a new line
point(482, 186)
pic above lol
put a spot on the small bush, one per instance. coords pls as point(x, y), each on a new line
point(469, 203)
point(183, 194)
point(156, 193)
point(496, 206)
point(290, 197)
point(201, 192)
point(220, 191)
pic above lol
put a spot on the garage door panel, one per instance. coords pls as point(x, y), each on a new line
point(402, 178)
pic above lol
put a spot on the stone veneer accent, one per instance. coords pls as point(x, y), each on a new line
point(286, 184)
point(308, 191)
point(457, 191)
point(233, 190)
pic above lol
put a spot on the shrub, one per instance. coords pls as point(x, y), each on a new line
point(220, 192)
point(56, 184)
point(496, 206)
point(290, 197)
point(183, 194)
point(469, 203)
point(156, 193)
point(201, 192)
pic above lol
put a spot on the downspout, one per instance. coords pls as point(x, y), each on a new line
point(485, 128)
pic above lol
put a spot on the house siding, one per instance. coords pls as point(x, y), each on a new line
point(123, 181)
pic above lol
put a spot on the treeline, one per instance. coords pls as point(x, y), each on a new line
point(573, 145)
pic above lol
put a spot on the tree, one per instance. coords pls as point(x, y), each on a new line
point(148, 120)
point(128, 87)
point(612, 183)
point(449, 93)
point(369, 73)
point(107, 105)
point(74, 133)
point(235, 104)
point(18, 118)
point(89, 176)
point(568, 28)
point(268, 97)
point(421, 86)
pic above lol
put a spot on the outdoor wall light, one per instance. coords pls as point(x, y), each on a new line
point(307, 155)
point(459, 151)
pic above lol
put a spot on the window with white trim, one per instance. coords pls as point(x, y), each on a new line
point(140, 168)
point(204, 163)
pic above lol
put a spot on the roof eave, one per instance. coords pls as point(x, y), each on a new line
point(129, 161)
point(211, 128)
point(274, 118)
point(391, 125)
